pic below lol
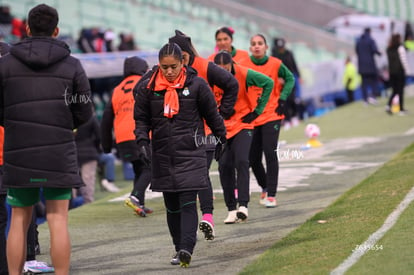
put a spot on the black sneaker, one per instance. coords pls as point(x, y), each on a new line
point(185, 258)
point(175, 260)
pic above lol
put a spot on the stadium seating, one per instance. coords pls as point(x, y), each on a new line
point(399, 9)
point(153, 21)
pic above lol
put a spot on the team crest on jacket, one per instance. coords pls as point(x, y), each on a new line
point(186, 91)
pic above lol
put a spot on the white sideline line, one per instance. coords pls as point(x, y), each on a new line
point(376, 236)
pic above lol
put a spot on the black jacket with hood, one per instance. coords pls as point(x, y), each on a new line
point(44, 96)
point(178, 144)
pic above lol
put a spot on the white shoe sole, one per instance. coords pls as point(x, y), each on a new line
point(208, 230)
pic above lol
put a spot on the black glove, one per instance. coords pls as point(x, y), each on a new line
point(280, 109)
point(220, 147)
point(144, 152)
point(250, 117)
point(227, 115)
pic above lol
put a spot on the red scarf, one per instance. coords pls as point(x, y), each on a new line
point(171, 104)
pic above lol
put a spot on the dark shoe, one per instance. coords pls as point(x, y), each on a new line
point(185, 258)
point(133, 203)
point(146, 209)
point(175, 260)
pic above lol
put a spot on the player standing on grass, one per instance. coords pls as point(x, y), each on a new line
point(173, 104)
point(254, 92)
point(45, 94)
point(224, 80)
point(119, 115)
point(267, 125)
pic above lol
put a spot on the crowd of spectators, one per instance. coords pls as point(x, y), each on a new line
point(90, 40)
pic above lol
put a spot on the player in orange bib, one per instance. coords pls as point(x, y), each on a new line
point(267, 125)
point(119, 115)
point(254, 92)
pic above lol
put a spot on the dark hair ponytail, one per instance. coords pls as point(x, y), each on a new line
point(227, 30)
point(223, 58)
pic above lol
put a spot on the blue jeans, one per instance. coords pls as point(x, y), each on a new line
point(108, 163)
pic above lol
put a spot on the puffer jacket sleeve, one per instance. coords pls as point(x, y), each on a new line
point(142, 112)
point(208, 110)
point(82, 107)
point(107, 124)
point(223, 79)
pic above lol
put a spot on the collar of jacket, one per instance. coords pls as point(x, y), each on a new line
point(260, 61)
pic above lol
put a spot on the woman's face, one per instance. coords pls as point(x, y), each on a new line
point(258, 47)
point(170, 67)
point(186, 58)
point(223, 41)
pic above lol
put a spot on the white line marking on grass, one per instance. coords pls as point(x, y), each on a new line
point(376, 236)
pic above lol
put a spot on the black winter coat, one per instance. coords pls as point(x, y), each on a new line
point(178, 144)
point(366, 49)
point(88, 141)
point(44, 95)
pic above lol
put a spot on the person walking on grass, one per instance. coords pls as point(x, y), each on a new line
point(399, 69)
point(366, 50)
point(173, 104)
point(45, 96)
point(254, 91)
point(224, 80)
point(267, 125)
point(119, 116)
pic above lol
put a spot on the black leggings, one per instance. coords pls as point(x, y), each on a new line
point(235, 159)
point(206, 195)
point(369, 81)
point(397, 83)
point(182, 218)
point(265, 140)
point(141, 181)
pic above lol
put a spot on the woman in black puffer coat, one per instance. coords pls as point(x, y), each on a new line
point(172, 103)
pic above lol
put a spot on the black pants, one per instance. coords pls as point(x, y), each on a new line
point(141, 181)
point(3, 225)
point(182, 218)
point(235, 160)
point(265, 140)
point(350, 95)
point(291, 106)
point(369, 80)
point(206, 195)
point(397, 83)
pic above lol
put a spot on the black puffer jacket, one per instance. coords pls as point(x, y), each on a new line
point(88, 141)
point(44, 94)
point(178, 152)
